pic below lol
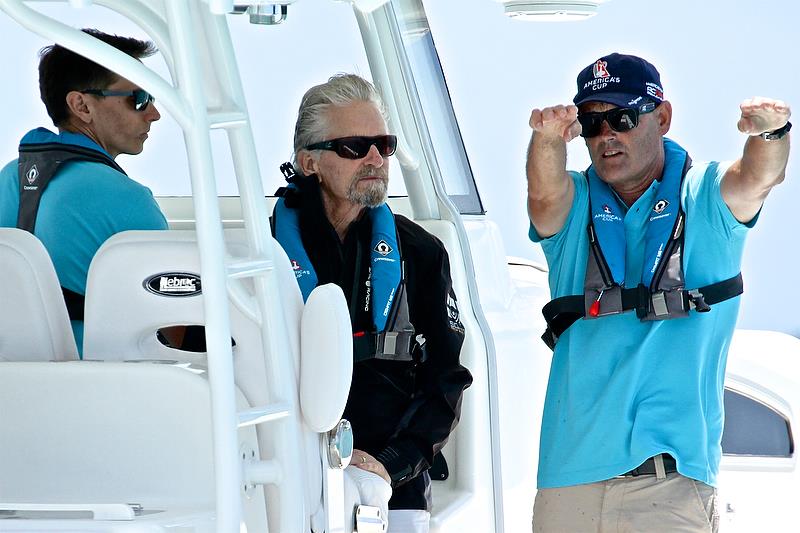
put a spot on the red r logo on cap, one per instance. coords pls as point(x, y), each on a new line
point(600, 70)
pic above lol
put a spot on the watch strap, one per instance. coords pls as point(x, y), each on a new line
point(780, 133)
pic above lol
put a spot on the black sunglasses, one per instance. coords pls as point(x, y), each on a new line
point(358, 147)
point(141, 98)
point(620, 119)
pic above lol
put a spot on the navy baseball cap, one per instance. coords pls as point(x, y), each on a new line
point(621, 80)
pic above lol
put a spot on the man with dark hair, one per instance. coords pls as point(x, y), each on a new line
point(66, 188)
point(333, 222)
point(644, 250)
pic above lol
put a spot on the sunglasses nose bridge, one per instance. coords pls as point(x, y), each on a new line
point(605, 127)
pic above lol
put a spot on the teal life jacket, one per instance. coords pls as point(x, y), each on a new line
point(392, 336)
point(661, 293)
point(41, 154)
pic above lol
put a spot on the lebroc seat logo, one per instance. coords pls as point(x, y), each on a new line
point(174, 284)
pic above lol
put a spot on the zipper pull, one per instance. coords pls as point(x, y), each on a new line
point(594, 309)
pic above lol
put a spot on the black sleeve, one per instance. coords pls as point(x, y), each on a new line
point(440, 379)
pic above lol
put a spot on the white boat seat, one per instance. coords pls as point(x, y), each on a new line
point(92, 433)
point(122, 317)
point(145, 427)
point(34, 325)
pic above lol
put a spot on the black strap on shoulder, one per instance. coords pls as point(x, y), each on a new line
point(38, 164)
point(561, 313)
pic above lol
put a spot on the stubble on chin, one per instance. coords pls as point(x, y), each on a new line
point(372, 193)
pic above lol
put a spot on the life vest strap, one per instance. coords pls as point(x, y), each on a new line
point(560, 313)
point(387, 345)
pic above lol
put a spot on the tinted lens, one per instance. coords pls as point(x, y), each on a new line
point(590, 124)
point(358, 147)
point(141, 99)
point(621, 119)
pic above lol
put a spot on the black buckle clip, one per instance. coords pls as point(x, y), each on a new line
point(697, 302)
point(642, 301)
point(550, 338)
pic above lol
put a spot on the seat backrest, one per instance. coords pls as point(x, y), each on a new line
point(141, 281)
point(34, 325)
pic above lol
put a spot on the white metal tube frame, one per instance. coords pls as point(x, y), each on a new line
point(286, 431)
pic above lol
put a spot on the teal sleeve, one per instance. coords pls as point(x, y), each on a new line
point(704, 198)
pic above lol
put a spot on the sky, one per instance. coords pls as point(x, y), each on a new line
point(711, 55)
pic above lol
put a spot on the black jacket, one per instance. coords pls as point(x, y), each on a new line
point(401, 412)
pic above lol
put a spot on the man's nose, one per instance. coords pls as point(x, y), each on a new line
point(374, 157)
point(152, 113)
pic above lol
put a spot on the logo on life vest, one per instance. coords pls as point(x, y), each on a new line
point(453, 315)
point(660, 206)
point(383, 248)
point(299, 271)
point(173, 284)
point(32, 174)
point(600, 69)
point(607, 215)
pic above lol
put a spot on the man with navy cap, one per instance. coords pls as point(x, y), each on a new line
point(644, 250)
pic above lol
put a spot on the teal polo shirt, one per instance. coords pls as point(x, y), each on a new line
point(621, 390)
point(84, 204)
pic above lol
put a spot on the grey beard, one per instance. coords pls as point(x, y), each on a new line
point(373, 196)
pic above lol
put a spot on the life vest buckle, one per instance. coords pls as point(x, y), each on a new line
point(697, 302)
point(390, 343)
point(643, 301)
point(658, 304)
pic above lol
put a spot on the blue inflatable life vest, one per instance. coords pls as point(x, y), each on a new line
point(661, 293)
point(393, 334)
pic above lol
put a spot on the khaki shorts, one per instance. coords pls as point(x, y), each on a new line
point(675, 504)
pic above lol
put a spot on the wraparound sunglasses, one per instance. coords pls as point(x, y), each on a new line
point(141, 98)
point(620, 119)
point(358, 147)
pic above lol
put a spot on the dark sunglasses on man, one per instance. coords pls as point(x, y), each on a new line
point(358, 147)
point(620, 119)
point(141, 98)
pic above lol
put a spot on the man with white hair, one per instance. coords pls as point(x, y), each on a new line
point(335, 226)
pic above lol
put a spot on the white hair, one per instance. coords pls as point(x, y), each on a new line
point(339, 90)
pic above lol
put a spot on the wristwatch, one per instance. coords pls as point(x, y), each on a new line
point(780, 133)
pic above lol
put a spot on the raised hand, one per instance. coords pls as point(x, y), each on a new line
point(761, 114)
point(556, 121)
